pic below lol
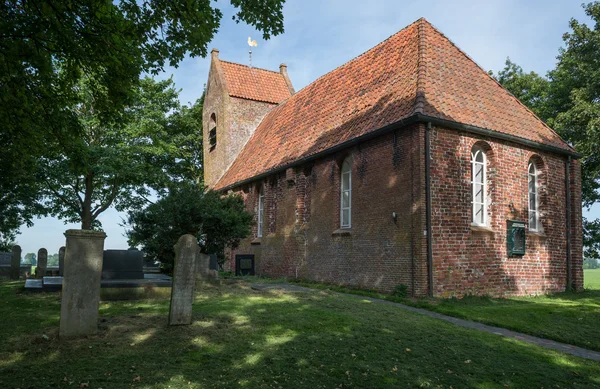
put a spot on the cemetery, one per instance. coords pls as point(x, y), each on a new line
point(400, 216)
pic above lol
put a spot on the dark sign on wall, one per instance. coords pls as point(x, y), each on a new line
point(244, 265)
point(515, 237)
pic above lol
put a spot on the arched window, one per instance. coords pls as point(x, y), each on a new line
point(346, 195)
point(533, 186)
point(261, 211)
point(479, 186)
point(212, 132)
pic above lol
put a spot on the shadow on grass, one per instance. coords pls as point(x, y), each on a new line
point(243, 338)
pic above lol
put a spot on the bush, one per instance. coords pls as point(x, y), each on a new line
point(217, 222)
point(400, 290)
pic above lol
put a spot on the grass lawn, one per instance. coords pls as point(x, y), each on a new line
point(241, 338)
point(591, 279)
point(572, 318)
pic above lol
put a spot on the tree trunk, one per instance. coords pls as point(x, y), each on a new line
point(86, 209)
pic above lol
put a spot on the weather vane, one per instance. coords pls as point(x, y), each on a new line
point(251, 43)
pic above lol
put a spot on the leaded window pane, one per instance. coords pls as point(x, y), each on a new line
point(479, 213)
point(345, 217)
point(345, 199)
point(346, 181)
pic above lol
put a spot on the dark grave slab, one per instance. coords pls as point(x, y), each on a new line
point(52, 284)
point(123, 265)
point(34, 285)
point(5, 259)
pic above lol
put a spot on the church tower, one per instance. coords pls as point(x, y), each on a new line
point(237, 98)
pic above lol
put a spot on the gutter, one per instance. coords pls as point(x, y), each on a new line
point(568, 224)
point(428, 211)
point(416, 118)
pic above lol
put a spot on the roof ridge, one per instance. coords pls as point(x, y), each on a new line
point(420, 99)
point(251, 67)
point(435, 29)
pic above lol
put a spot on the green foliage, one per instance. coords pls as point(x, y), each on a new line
point(31, 259)
point(401, 290)
point(120, 163)
point(7, 243)
point(52, 260)
point(530, 88)
point(216, 221)
point(568, 100)
point(50, 47)
point(591, 263)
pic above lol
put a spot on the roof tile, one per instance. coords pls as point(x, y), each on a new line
point(417, 70)
point(255, 83)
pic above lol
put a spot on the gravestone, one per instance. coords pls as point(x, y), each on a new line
point(15, 263)
point(204, 270)
point(61, 261)
point(42, 263)
point(81, 283)
point(123, 265)
point(184, 277)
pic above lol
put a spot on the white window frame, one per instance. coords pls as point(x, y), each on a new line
point(261, 212)
point(536, 193)
point(346, 173)
point(474, 204)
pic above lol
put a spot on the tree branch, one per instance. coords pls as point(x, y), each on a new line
point(63, 198)
point(108, 203)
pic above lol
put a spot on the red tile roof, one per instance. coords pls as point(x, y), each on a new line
point(254, 83)
point(417, 70)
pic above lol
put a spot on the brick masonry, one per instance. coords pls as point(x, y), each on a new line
point(470, 260)
point(302, 237)
point(236, 120)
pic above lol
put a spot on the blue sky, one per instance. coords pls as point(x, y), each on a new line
point(322, 35)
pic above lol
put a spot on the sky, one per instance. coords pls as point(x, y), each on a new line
point(322, 35)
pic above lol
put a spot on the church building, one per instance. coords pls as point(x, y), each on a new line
point(408, 165)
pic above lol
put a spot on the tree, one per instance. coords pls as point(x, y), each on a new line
point(530, 88)
point(575, 97)
point(52, 260)
point(568, 99)
point(7, 243)
point(31, 258)
point(47, 47)
point(119, 163)
point(216, 221)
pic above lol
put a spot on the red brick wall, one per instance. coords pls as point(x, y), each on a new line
point(302, 236)
point(469, 260)
point(302, 208)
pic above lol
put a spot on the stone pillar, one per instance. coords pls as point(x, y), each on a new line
point(15, 263)
point(81, 283)
point(61, 261)
point(184, 277)
point(42, 263)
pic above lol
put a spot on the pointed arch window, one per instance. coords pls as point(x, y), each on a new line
point(346, 195)
point(533, 189)
point(261, 211)
point(479, 186)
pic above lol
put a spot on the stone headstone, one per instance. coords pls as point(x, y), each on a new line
point(184, 277)
point(42, 263)
point(15, 263)
point(81, 283)
point(61, 261)
point(204, 271)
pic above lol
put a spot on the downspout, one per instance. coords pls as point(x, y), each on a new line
point(568, 201)
point(428, 210)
